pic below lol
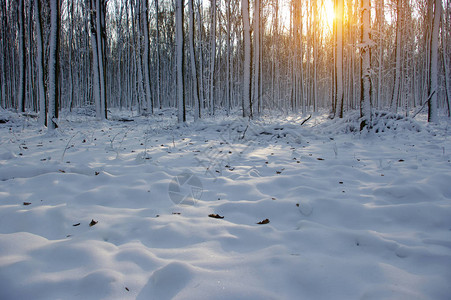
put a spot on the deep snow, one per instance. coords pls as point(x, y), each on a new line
point(351, 215)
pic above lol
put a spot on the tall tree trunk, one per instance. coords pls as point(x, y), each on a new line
point(157, 21)
point(396, 82)
point(100, 19)
point(445, 68)
point(181, 113)
point(21, 37)
point(197, 112)
point(246, 100)
point(40, 62)
point(433, 67)
point(201, 55)
point(212, 56)
point(339, 58)
point(145, 24)
point(228, 56)
point(256, 98)
point(365, 68)
point(30, 58)
point(95, 60)
point(53, 63)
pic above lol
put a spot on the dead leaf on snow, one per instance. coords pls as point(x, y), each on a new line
point(216, 216)
point(93, 223)
point(265, 221)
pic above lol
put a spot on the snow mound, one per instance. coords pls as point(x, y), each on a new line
point(382, 121)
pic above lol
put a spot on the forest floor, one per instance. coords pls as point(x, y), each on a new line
point(137, 207)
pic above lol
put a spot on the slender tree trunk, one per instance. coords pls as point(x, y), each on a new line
point(445, 68)
point(212, 56)
point(201, 56)
point(40, 62)
point(30, 58)
point(396, 90)
point(197, 104)
point(256, 80)
point(246, 100)
point(433, 67)
point(181, 115)
point(228, 58)
point(101, 55)
point(145, 24)
point(21, 37)
point(53, 63)
point(339, 58)
point(365, 91)
point(95, 60)
point(157, 21)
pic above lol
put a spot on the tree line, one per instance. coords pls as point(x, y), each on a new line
point(204, 56)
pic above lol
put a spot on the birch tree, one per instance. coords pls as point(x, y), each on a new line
point(196, 100)
point(40, 64)
point(339, 57)
point(256, 98)
point(145, 25)
point(53, 64)
point(433, 67)
point(397, 76)
point(157, 37)
point(212, 56)
point(21, 37)
point(365, 67)
point(246, 96)
point(181, 112)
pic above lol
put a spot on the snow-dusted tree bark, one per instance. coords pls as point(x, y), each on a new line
point(339, 58)
point(21, 37)
point(157, 37)
point(212, 56)
point(445, 68)
point(256, 98)
point(181, 113)
point(40, 64)
point(246, 96)
point(197, 112)
point(365, 67)
point(201, 55)
point(397, 77)
point(380, 20)
point(228, 56)
point(95, 59)
point(145, 24)
point(100, 21)
point(433, 67)
point(53, 63)
point(30, 75)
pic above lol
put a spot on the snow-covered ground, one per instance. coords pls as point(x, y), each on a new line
point(351, 216)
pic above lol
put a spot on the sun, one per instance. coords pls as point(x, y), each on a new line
point(325, 12)
point(328, 14)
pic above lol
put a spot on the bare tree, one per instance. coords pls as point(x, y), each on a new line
point(197, 104)
point(365, 68)
point(53, 63)
point(246, 98)
point(145, 24)
point(433, 67)
point(181, 111)
point(40, 64)
point(21, 37)
point(397, 76)
point(339, 94)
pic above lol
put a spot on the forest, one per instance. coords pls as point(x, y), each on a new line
point(205, 56)
point(225, 149)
